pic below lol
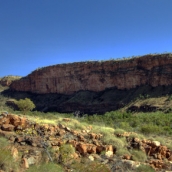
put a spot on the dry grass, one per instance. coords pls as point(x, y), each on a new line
point(164, 103)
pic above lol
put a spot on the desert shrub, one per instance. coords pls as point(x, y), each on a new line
point(119, 131)
point(166, 130)
point(136, 135)
point(3, 142)
point(118, 143)
point(50, 154)
point(105, 131)
point(79, 126)
point(3, 105)
point(88, 166)
point(125, 125)
point(7, 163)
point(149, 129)
point(66, 151)
point(25, 105)
point(143, 168)
point(74, 124)
point(46, 167)
point(138, 156)
point(121, 152)
point(132, 122)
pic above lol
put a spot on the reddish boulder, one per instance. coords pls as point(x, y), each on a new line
point(7, 127)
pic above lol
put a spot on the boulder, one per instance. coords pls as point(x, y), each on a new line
point(131, 164)
point(25, 163)
point(156, 143)
point(109, 154)
point(91, 158)
point(14, 153)
point(127, 157)
point(7, 127)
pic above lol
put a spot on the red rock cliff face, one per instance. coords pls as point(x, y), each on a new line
point(153, 70)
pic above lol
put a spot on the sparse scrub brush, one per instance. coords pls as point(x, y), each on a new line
point(46, 167)
point(138, 156)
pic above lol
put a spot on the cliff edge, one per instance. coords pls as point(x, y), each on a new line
point(97, 87)
point(152, 70)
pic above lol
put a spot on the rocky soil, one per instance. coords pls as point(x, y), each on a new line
point(31, 142)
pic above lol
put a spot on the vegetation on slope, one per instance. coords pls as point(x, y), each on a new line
point(151, 125)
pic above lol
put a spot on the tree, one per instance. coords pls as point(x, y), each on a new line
point(25, 105)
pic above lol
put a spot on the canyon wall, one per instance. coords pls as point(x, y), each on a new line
point(152, 70)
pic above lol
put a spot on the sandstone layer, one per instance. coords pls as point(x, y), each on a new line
point(152, 70)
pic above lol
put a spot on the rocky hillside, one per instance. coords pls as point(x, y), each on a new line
point(7, 80)
point(79, 149)
point(152, 70)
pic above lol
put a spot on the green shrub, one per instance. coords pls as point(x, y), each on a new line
point(121, 152)
point(25, 105)
point(125, 125)
point(138, 156)
point(144, 168)
point(119, 131)
point(7, 163)
point(118, 143)
point(149, 129)
point(88, 166)
point(66, 151)
point(3, 142)
point(136, 135)
point(49, 167)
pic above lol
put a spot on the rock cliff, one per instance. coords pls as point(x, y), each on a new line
point(152, 70)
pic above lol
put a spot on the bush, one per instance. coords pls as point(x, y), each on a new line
point(7, 163)
point(149, 129)
point(88, 166)
point(138, 156)
point(118, 143)
point(49, 167)
point(66, 151)
point(125, 125)
point(25, 105)
point(143, 168)
point(121, 152)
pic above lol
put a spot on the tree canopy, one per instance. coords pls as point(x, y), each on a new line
point(25, 105)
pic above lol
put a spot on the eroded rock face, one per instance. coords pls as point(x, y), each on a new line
point(153, 70)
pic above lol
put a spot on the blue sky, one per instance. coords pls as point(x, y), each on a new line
point(37, 33)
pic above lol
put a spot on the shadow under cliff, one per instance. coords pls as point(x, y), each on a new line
point(89, 102)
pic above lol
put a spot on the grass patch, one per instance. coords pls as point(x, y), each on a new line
point(138, 156)
point(123, 151)
point(46, 167)
point(144, 168)
point(7, 163)
point(87, 166)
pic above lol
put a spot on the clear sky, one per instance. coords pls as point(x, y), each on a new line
point(37, 33)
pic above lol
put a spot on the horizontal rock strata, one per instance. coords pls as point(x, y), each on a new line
point(153, 70)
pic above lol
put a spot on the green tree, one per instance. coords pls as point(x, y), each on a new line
point(25, 105)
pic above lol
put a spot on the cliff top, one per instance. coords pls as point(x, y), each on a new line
point(111, 60)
